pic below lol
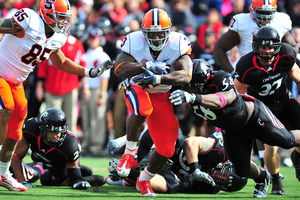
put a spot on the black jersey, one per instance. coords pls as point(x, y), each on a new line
point(207, 162)
point(266, 84)
point(53, 158)
point(233, 116)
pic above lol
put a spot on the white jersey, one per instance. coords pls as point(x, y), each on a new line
point(19, 55)
point(94, 58)
point(136, 45)
point(245, 26)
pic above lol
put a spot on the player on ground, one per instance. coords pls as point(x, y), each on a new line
point(52, 144)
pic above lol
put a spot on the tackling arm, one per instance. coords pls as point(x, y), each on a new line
point(213, 101)
point(194, 146)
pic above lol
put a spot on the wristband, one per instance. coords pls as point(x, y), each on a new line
point(198, 99)
point(87, 72)
point(157, 79)
point(149, 65)
point(193, 166)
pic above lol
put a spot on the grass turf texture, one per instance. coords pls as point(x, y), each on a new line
point(291, 185)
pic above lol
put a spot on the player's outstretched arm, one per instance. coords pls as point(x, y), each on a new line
point(67, 65)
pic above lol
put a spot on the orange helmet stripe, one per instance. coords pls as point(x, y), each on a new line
point(155, 18)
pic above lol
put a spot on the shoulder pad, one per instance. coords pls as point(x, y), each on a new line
point(133, 42)
point(287, 55)
point(243, 66)
point(24, 17)
point(221, 81)
point(239, 21)
point(283, 20)
point(180, 42)
point(31, 123)
point(72, 146)
point(287, 49)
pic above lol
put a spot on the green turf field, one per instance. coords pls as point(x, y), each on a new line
point(291, 184)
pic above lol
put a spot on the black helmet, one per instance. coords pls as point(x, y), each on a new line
point(104, 24)
point(266, 36)
point(78, 30)
point(226, 179)
point(201, 74)
point(53, 120)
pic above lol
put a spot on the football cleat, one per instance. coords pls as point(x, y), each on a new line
point(11, 184)
point(125, 165)
point(261, 189)
point(145, 188)
point(296, 163)
point(114, 179)
point(113, 165)
point(277, 187)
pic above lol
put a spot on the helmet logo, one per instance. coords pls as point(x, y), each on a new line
point(49, 4)
point(45, 114)
point(155, 27)
point(269, 43)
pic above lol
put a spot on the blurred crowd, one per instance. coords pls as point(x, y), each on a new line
point(99, 27)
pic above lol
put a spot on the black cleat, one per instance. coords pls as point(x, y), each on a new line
point(277, 187)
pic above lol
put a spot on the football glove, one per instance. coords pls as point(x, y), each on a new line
point(113, 146)
point(157, 67)
point(125, 84)
point(187, 182)
point(148, 78)
point(203, 177)
point(95, 72)
point(179, 97)
point(28, 185)
point(81, 185)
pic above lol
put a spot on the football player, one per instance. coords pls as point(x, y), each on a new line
point(162, 57)
point(178, 174)
point(30, 38)
point(242, 118)
point(241, 29)
point(52, 144)
point(263, 73)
